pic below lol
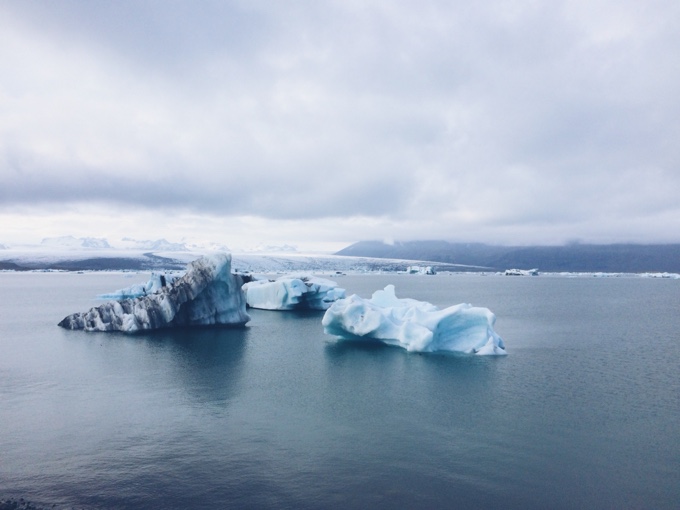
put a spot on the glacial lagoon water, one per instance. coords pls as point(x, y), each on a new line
point(584, 412)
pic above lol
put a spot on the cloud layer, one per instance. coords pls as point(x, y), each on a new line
point(508, 121)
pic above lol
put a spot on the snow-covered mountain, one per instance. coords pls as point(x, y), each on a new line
point(157, 245)
point(70, 242)
point(271, 248)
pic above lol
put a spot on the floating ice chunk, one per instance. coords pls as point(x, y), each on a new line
point(521, 272)
point(292, 292)
point(414, 325)
point(155, 283)
point(490, 349)
point(208, 294)
point(674, 276)
point(420, 270)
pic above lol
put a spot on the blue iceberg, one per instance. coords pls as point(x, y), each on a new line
point(414, 325)
point(292, 293)
point(207, 295)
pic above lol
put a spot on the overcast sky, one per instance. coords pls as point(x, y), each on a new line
point(320, 123)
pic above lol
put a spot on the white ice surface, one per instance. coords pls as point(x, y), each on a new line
point(521, 272)
point(428, 270)
point(292, 292)
point(414, 325)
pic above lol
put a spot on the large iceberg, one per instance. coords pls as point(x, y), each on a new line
point(414, 325)
point(292, 292)
point(207, 295)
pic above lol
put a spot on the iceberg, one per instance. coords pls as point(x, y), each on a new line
point(414, 325)
point(420, 270)
point(207, 295)
point(292, 292)
point(521, 272)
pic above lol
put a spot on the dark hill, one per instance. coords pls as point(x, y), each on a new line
point(624, 258)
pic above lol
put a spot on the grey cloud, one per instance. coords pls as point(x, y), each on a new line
point(482, 114)
point(156, 33)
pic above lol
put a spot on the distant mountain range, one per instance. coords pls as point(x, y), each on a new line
point(100, 243)
point(614, 258)
point(70, 253)
point(72, 242)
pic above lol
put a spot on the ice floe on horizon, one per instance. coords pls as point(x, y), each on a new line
point(673, 276)
point(521, 272)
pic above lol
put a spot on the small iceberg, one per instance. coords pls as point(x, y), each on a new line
point(207, 295)
point(521, 272)
point(421, 270)
point(414, 325)
point(292, 293)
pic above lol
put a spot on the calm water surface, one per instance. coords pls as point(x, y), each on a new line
point(584, 412)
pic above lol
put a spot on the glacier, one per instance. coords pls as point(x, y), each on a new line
point(207, 295)
point(292, 292)
point(415, 325)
